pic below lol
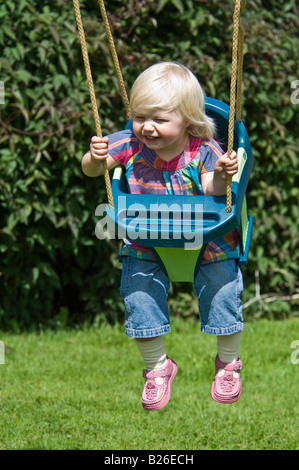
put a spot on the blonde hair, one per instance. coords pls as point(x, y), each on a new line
point(168, 87)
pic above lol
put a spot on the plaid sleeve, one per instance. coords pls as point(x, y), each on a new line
point(210, 151)
point(122, 145)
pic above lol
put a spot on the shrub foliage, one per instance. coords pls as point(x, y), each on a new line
point(53, 268)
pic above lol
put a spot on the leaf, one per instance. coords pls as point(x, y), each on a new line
point(179, 5)
point(12, 221)
point(161, 5)
point(42, 54)
point(63, 63)
point(35, 274)
point(23, 75)
point(6, 29)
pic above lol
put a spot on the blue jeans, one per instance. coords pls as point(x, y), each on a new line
point(144, 288)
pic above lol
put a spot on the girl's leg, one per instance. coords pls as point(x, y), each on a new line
point(219, 288)
point(227, 385)
point(153, 352)
point(228, 347)
point(144, 288)
point(159, 373)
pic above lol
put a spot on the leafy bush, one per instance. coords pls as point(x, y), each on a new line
point(53, 267)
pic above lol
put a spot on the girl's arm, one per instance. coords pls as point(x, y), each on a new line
point(92, 162)
point(214, 182)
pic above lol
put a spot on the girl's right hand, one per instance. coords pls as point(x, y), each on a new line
point(99, 148)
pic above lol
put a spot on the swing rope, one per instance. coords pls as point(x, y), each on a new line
point(92, 95)
point(115, 59)
point(235, 88)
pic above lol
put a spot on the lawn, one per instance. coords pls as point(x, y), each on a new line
point(81, 389)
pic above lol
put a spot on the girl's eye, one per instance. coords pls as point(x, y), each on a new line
point(140, 118)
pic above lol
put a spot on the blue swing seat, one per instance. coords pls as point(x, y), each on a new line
point(169, 224)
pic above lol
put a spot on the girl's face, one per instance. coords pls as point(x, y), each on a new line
point(163, 132)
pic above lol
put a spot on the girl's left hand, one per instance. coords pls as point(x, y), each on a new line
point(226, 164)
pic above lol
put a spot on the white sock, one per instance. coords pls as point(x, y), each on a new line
point(229, 346)
point(153, 352)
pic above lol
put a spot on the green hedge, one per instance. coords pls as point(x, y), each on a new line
point(53, 269)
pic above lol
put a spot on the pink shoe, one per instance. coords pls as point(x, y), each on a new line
point(156, 396)
point(227, 387)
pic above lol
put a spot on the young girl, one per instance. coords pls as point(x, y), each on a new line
point(171, 150)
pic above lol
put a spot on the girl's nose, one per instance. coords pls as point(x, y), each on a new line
point(148, 126)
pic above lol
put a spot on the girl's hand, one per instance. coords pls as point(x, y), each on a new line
point(227, 165)
point(99, 148)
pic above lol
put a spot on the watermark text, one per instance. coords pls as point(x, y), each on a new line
point(295, 354)
point(295, 94)
point(2, 92)
point(138, 222)
point(2, 353)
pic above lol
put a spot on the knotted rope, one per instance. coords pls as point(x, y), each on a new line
point(92, 95)
point(235, 88)
point(115, 59)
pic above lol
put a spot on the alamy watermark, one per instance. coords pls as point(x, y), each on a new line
point(295, 354)
point(2, 92)
point(2, 353)
point(165, 221)
point(295, 94)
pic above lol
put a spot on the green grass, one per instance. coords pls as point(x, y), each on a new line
point(81, 389)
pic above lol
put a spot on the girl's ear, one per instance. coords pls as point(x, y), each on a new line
point(187, 124)
point(188, 127)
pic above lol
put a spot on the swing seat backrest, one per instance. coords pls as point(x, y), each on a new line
point(173, 221)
